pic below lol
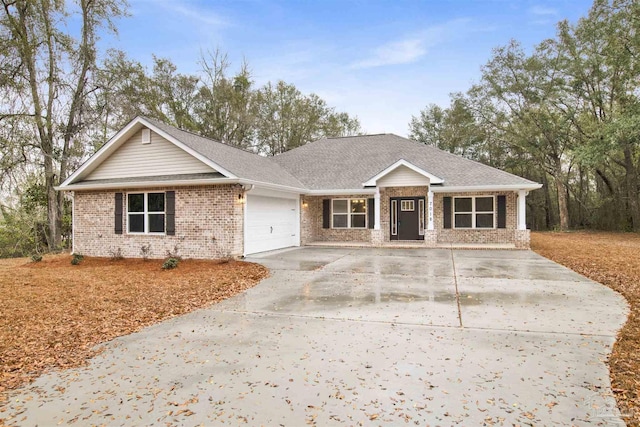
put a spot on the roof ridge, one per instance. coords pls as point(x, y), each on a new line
point(353, 136)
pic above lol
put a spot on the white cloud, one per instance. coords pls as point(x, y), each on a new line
point(543, 11)
point(398, 52)
point(413, 47)
point(193, 13)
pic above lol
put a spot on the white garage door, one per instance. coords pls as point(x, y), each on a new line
point(271, 223)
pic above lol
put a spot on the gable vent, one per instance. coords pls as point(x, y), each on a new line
point(146, 136)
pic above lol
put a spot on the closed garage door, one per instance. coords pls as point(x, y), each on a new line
point(271, 223)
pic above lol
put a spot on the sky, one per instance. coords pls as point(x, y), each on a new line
point(382, 61)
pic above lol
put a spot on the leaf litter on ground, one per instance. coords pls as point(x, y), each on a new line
point(54, 314)
point(612, 259)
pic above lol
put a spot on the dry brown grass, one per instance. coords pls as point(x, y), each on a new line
point(612, 259)
point(53, 314)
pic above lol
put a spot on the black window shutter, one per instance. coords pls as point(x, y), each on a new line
point(502, 211)
point(446, 211)
point(171, 212)
point(326, 213)
point(371, 212)
point(118, 216)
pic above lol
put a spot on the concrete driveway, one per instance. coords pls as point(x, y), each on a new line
point(361, 336)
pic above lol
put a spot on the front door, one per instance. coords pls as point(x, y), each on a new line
point(407, 218)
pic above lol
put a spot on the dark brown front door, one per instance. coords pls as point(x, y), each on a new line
point(407, 217)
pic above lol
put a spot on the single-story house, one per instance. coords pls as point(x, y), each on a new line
point(158, 186)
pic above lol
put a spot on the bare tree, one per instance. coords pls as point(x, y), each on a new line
point(47, 74)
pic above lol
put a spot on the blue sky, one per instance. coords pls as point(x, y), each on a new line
point(380, 61)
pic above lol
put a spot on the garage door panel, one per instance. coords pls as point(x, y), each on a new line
point(271, 223)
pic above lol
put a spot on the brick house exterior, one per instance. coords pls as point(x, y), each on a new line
point(312, 230)
point(212, 229)
point(158, 187)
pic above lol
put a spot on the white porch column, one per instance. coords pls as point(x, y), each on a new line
point(430, 210)
point(376, 205)
point(522, 210)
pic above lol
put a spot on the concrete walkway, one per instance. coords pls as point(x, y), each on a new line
point(340, 336)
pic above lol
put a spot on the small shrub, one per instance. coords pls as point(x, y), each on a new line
point(76, 259)
point(145, 251)
point(36, 258)
point(116, 254)
point(174, 253)
point(170, 263)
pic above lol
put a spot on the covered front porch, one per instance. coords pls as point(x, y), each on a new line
point(406, 206)
point(416, 216)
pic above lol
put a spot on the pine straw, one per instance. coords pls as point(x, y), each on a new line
point(53, 314)
point(612, 259)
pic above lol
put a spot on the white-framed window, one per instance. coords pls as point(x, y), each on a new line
point(146, 213)
point(421, 217)
point(407, 205)
point(474, 212)
point(394, 219)
point(349, 213)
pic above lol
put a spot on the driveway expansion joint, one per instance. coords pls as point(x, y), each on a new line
point(455, 282)
point(414, 324)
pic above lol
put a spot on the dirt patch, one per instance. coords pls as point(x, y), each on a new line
point(53, 313)
point(612, 259)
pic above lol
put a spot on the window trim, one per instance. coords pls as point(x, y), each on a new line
point(350, 214)
point(421, 218)
point(145, 213)
point(474, 212)
point(393, 217)
point(408, 205)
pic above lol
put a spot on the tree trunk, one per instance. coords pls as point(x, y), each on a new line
point(563, 208)
point(54, 220)
point(561, 189)
point(631, 181)
point(548, 208)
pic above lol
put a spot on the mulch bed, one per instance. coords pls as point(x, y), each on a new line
point(53, 314)
point(612, 259)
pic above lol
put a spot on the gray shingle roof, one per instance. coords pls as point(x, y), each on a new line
point(348, 162)
point(239, 162)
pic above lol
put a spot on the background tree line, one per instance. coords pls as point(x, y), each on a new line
point(61, 99)
point(566, 114)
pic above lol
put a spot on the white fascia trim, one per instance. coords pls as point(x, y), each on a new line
point(341, 192)
point(143, 184)
point(179, 183)
point(267, 185)
point(477, 188)
point(432, 178)
point(98, 155)
point(195, 154)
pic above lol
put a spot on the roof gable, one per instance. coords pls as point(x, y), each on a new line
point(125, 135)
point(158, 157)
point(398, 167)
